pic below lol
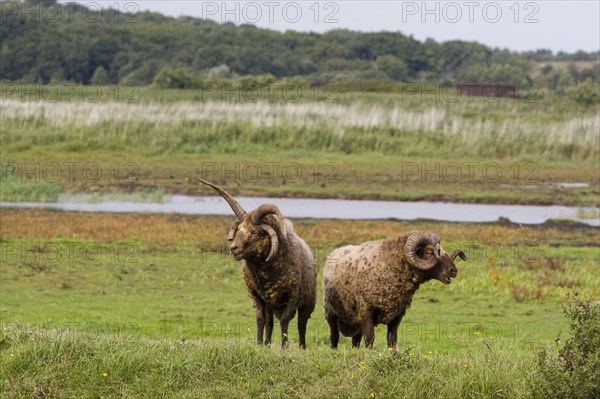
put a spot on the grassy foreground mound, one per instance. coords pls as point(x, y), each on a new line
point(85, 366)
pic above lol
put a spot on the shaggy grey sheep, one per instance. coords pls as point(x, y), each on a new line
point(279, 268)
point(373, 283)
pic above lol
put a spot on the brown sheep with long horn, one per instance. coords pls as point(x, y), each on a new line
point(279, 268)
point(373, 283)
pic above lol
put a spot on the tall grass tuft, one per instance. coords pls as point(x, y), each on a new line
point(13, 189)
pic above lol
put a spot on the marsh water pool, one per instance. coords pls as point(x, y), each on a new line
point(333, 209)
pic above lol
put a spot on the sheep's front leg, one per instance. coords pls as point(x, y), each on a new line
point(334, 331)
point(392, 332)
point(368, 329)
point(268, 326)
point(260, 317)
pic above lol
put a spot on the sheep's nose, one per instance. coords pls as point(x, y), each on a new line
point(233, 247)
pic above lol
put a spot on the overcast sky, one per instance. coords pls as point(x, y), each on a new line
point(517, 25)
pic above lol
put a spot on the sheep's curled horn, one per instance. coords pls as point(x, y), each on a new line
point(257, 219)
point(418, 240)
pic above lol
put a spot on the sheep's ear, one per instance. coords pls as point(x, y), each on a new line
point(277, 222)
point(233, 230)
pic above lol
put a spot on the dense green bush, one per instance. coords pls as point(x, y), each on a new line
point(169, 78)
point(586, 93)
point(575, 371)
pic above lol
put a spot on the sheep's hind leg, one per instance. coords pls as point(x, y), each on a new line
point(334, 331)
point(392, 332)
point(268, 326)
point(303, 317)
point(368, 329)
point(356, 338)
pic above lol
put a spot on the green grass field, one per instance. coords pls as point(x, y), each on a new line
point(156, 304)
point(140, 305)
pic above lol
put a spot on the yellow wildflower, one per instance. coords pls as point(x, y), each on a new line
point(105, 374)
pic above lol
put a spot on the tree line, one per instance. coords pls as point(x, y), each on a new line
point(43, 41)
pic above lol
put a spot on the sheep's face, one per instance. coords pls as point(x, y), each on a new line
point(248, 241)
point(444, 270)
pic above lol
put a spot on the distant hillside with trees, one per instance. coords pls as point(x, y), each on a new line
point(72, 43)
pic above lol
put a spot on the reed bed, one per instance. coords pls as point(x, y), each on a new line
point(580, 129)
point(399, 129)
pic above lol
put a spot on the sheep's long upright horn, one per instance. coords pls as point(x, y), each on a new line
point(458, 252)
point(274, 241)
point(413, 243)
point(264, 210)
point(235, 206)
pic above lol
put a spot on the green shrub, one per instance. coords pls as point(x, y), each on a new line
point(169, 78)
point(586, 93)
point(575, 371)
